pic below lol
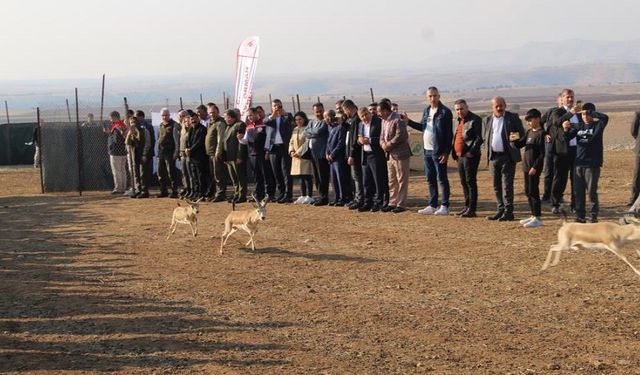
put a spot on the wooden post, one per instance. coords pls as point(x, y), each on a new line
point(270, 100)
point(6, 110)
point(224, 99)
point(298, 100)
point(79, 146)
point(226, 106)
point(181, 106)
point(201, 102)
point(39, 140)
point(293, 102)
point(126, 107)
point(102, 103)
point(373, 100)
point(318, 100)
point(344, 97)
point(68, 110)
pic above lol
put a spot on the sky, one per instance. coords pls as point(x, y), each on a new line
point(73, 39)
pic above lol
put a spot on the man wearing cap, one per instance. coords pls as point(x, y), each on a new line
point(589, 155)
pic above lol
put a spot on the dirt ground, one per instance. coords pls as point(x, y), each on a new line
point(90, 284)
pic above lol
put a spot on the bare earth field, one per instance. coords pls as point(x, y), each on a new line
point(89, 284)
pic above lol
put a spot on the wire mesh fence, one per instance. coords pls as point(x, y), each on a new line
point(74, 132)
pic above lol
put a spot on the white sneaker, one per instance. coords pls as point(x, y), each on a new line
point(300, 200)
point(534, 223)
point(308, 200)
point(442, 211)
point(427, 211)
point(524, 221)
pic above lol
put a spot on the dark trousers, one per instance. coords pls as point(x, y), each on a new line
point(341, 185)
point(199, 171)
point(586, 181)
point(373, 178)
point(185, 167)
point(306, 185)
point(468, 171)
point(436, 175)
point(532, 190)
point(263, 175)
point(548, 170)
point(503, 170)
point(217, 179)
point(167, 173)
point(356, 176)
point(237, 172)
point(146, 173)
point(635, 183)
point(321, 171)
point(281, 166)
point(562, 171)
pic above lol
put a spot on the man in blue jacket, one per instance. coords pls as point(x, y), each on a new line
point(437, 129)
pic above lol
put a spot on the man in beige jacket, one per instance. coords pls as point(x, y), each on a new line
point(395, 142)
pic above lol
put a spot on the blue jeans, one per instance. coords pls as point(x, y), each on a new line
point(436, 175)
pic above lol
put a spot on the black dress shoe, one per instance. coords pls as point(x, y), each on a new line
point(398, 209)
point(332, 203)
point(144, 194)
point(593, 219)
point(580, 220)
point(462, 211)
point(388, 208)
point(339, 204)
point(364, 208)
point(497, 216)
point(354, 206)
point(321, 202)
point(375, 208)
point(469, 213)
point(556, 211)
point(507, 216)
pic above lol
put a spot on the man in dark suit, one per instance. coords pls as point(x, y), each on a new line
point(197, 154)
point(564, 150)
point(233, 153)
point(436, 127)
point(317, 133)
point(635, 183)
point(354, 153)
point(467, 143)
point(500, 130)
point(279, 128)
point(548, 152)
point(373, 161)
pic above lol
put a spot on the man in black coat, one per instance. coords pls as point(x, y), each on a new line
point(354, 153)
point(198, 156)
point(374, 162)
point(564, 150)
point(500, 130)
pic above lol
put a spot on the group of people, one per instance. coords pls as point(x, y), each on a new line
point(363, 153)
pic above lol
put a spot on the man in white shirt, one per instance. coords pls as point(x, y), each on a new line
point(500, 130)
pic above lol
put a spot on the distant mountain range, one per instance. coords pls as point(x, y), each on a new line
point(567, 63)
